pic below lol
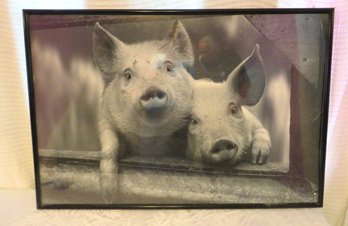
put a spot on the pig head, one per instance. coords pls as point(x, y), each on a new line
point(146, 84)
point(222, 130)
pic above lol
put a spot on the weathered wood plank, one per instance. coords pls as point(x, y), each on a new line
point(165, 162)
point(66, 183)
point(166, 179)
point(70, 154)
point(59, 21)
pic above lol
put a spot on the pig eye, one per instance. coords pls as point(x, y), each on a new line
point(234, 109)
point(194, 121)
point(169, 67)
point(127, 74)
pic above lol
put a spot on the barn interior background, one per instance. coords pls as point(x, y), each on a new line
point(16, 169)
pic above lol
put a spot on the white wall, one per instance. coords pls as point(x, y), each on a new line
point(16, 168)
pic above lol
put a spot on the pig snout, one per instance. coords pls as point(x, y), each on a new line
point(222, 150)
point(153, 99)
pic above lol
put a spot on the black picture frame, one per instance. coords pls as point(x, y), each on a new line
point(308, 104)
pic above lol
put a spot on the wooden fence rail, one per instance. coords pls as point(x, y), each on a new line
point(72, 177)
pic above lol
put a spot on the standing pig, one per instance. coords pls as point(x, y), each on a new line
point(146, 97)
point(222, 130)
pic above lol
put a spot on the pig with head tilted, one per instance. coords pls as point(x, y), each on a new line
point(146, 97)
point(222, 130)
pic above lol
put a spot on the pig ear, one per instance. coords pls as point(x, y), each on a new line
point(181, 43)
point(248, 79)
point(106, 51)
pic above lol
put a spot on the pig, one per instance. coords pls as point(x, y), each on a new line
point(146, 98)
point(222, 131)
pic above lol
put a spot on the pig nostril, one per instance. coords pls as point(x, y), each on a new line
point(146, 97)
point(215, 151)
point(230, 147)
point(160, 95)
point(153, 99)
point(153, 93)
point(223, 145)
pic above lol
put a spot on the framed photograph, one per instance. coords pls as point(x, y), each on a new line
point(179, 108)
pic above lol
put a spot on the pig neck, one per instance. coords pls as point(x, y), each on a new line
point(155, 145)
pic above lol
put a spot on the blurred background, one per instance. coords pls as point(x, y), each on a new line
point(68, 85)
point(15, 140)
